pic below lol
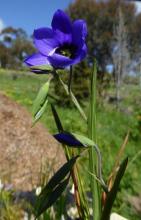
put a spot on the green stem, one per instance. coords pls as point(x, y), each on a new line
point(73, 98)
point(96, 203)
point(70, 79)
point(84, 202)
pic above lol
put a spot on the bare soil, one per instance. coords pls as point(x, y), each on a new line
point(27, 155)
point(135, 202)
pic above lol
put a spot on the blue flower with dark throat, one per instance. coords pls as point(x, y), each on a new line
point(62, 45)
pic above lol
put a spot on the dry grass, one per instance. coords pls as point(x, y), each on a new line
point(26, 153)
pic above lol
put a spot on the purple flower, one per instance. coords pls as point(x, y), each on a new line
point(68, 139)
point(60, 46)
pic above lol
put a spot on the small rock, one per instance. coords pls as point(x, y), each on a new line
point(115, 216)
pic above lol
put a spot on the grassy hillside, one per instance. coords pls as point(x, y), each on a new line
point(112, 127)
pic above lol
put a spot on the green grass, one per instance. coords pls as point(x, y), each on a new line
point(24, 89)
point(112, 127)
point(8, 210)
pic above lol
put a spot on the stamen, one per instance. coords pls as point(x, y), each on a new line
point(67, 50)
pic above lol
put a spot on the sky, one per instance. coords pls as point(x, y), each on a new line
point(32, 14)
point(29, 14)
point(138, 5)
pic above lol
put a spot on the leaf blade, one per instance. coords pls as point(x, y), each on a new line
point(40, 112)
point(41, 97)
point(84, 140)
point(113, 192)
point(42, 67)
point(52, 197)
point(45, 200)
point(57, 119)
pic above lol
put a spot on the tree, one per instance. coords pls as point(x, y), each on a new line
point(4, 56)
point(15, 44)
point(101, 17)
point(121, 57)
point(22, 45)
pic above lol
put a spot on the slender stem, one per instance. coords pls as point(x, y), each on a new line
point(76, 191)
point(96, 203)
point(74, 100)
point(99, 176)
point(78, 106)
point(70, 79)
point(99, 168)
point(84, 202)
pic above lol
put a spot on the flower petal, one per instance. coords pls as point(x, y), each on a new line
point(46, 40)
point(79, 32)
point(62, 22)
point(68, 139)
point(64, 38)
point(59, 61)
point(80, 54)
point(36, 60)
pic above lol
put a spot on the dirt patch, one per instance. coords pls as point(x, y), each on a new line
point(27, 154)
point(135, 202)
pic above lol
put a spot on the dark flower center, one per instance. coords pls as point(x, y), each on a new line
point(67, 50)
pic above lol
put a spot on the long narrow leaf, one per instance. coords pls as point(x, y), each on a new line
point(47, 68)
point(39, 114)
point(61, 173)
point(92, 132)
point(41, 98)
point(112, 194)
point(51, 197)
point(57, 119)
point(54, 187)
point(84, 140)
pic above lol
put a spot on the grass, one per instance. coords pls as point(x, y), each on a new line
point(112, 127)
point(23, 87)
point(8, 210)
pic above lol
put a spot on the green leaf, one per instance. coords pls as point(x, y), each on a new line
point(40, 112)
point(84, 140)
point(92, 132)
point(54, 187)
point(111, 196)
point(40, 103)
point(51, 198)
point(41, 98)
point(60, 174)
point(57, 119)
point(43, 67)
